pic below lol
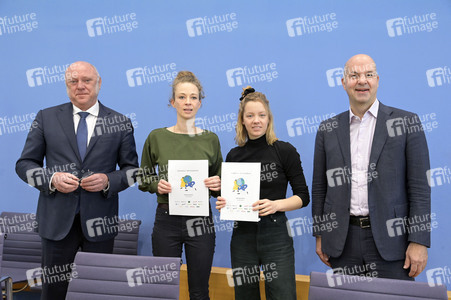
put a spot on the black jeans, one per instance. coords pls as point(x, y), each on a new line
point(169, 235)
point(264, 245)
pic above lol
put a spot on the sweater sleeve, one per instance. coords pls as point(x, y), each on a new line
point(293, 168)
point(215, 168)
point(149, 178)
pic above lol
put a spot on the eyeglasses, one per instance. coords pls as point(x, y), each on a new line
point(368, 76)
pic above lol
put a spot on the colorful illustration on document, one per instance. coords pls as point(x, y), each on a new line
point(239, 185)
point(187, 182)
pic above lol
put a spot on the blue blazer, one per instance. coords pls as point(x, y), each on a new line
point(399, 196)
point(52, 136)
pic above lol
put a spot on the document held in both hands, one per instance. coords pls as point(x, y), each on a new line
point(189, 196)
point(240, 186)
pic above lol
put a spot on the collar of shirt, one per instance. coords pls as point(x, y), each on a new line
point(93, 110)
point(374, 108)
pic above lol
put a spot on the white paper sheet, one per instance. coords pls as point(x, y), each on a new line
point(240, 186)
point(189, 196)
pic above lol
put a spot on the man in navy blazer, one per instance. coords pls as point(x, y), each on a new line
point(82, 143)
point(371, 201)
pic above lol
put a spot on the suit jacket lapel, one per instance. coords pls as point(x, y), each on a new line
point(344, 138)
point(66, 119)
point(99, 129)
point(380, 133)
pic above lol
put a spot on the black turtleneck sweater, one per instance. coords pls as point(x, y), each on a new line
point(280, 164)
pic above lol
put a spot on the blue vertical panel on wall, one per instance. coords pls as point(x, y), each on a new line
point(293, 51)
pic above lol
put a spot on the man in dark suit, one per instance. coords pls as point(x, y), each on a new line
point(370, 195)
point(82, 143)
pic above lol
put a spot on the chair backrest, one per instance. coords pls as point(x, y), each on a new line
point(124, 277)
point(23, 250)
point(126, 241)
point(22, 246)
point(337, 287)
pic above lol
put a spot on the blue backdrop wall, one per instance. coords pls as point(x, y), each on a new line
point(293, 51)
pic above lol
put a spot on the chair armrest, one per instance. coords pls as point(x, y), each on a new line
point(8, 287)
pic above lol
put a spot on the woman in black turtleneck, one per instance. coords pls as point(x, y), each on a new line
point(266, 244)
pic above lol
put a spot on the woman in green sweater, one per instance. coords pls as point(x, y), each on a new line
point(183, 141)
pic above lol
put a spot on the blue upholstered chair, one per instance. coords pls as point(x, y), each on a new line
point(124, 277)
point(325, 286)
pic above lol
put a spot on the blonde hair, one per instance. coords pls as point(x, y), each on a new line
point(241, 133)
point(186, 76)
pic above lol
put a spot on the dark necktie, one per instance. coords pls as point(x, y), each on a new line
point(82, 134)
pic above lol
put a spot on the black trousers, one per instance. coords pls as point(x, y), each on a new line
point(361, 257)
point(169, 235)
point(58, 258)
point(265, 246)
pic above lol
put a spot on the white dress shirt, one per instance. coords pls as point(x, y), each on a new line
point(91, 120)
point(362, 133)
